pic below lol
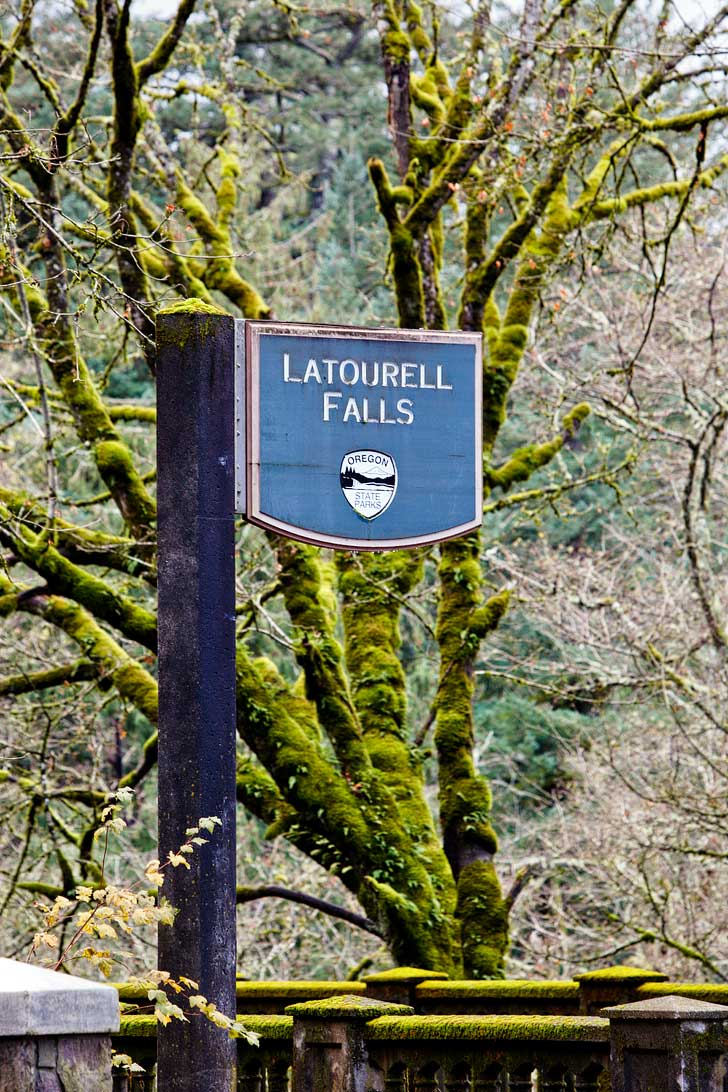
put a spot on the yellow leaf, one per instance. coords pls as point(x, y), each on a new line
point(176, 859)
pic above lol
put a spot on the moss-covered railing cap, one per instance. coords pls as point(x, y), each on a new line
point(404, 974)
point(498, 1029)
point(626, 976)
point(134, 1026)
point(505, 988)
point(347, 1007)
point(672, 1007)
point(296, 989)
point(133, 991)
point(191, 307)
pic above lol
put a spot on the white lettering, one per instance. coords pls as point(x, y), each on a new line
point(329, 403)
point(329, 362)
point(404, 407)
point(425, 386)
point(287, 377)
point(352, 410)
point(354, 368)
point(312, 372)
point(407, 373)
point(373, 382)
point(389, 372)
point(440, 385)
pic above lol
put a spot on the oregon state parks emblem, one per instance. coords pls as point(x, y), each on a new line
point(368, 481)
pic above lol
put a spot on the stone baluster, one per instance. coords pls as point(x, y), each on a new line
point(395, 1079)
point(426, 1078)
point(55, 1031)
point(329, 1051)
point(520, 1078)
point(668, 1043)
point(458, 1078)
point(490, 1079)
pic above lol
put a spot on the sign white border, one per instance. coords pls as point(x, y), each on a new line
point(247, 426)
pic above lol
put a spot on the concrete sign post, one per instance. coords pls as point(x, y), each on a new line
point(359, 439)
point(338, 436)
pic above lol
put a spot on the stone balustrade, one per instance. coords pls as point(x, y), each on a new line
point(55, 1031)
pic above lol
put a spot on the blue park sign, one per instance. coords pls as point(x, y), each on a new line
point(359, 439)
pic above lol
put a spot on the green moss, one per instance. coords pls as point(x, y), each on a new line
point(267, 1027)
point(79, 392)
point(483, 917)
point(498, 376)
point(465, 802)
point(396, 47)
point(338, 817)
point(534, 254)
point(133, 991)
point(314, 989)
point(93, 593)
point(526, 460)
point(407, 277)
point(220, 273)
point(575, 417)
point(121, 478)
point(501, 989)
point(138, 1027)
point(425, 95)
point(348, 1007)
point(190, 307)
point(583, 1029)
point(319, 654)
point(404, 974)
point(226, 195)
point(405, 263)
point(621, 974)
point(372, 587)
point(715, 994)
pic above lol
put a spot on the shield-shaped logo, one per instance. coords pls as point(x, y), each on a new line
point(368, 481)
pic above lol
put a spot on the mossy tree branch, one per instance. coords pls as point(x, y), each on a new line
point(82, 670)
point(65, 578)
point(275, 891)
point(127, 122)
point(465, 801)
point(81, 545)
point(355, 821)
point(220, 272)
point(133, 683)
point(56, 339)
point(370, 616)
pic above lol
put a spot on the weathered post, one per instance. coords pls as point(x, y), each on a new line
point(329, 1049)
point(54, 1030)
point(667, 1044)
point(196, 498)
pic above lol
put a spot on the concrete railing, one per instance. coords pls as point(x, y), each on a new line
point(355, 1044)
point(55, 1031)
point(432, 993)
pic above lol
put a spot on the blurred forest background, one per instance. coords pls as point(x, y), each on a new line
point(601, 699)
